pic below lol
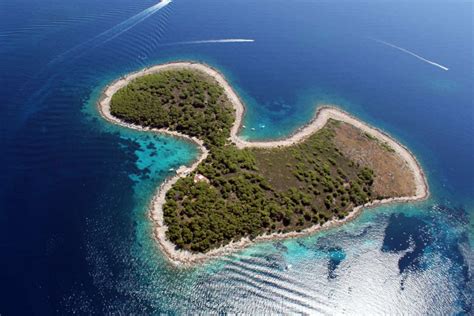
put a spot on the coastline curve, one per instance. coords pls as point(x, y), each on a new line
point(323, 114)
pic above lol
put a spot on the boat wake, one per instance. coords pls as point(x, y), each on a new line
point(410, 53)
point(116, 30)
point(212, 41)
point(227, 40)
point(81, 49)
point(132, 21)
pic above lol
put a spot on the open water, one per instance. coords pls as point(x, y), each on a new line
point(74, 190)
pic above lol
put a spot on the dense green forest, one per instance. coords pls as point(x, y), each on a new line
point(248, 192)
point(182, 100)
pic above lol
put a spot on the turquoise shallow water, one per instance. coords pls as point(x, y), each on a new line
point(74, 189)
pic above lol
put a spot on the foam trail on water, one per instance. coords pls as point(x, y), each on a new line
point(118, 29)
point(411, 53)
point(212, 41)
point(134, 20)
point(227, 40)
point(96, 41)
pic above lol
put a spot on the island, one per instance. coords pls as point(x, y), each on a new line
point(239, 191)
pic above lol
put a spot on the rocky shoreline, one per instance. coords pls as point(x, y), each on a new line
point(323, 114)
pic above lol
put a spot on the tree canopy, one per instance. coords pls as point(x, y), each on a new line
point(249, 192)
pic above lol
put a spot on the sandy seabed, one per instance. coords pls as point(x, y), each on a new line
point(323, 114)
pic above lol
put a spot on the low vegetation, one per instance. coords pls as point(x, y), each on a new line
point(247, 192)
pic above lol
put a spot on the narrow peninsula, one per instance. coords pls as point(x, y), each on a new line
point(239, 191)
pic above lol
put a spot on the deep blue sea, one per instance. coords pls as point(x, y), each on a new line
point(74, 190)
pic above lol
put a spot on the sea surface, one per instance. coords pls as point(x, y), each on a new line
point(74, 190)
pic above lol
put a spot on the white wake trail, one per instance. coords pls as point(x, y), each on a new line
point(213, 41)
point(132, 21)
point(116, 30)
point(411, 53)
